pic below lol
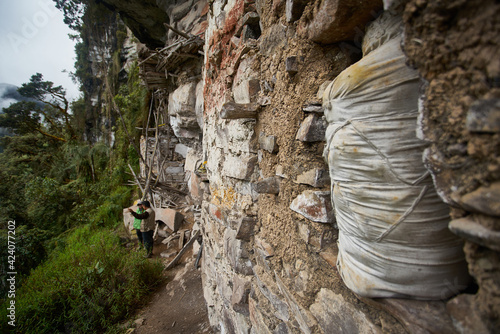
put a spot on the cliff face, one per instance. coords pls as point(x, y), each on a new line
point(101, 46)
point(241, 85)
point(143, 18)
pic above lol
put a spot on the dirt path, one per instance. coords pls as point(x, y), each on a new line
point(177, 306)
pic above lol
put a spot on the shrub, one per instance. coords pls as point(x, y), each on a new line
point(88, 287)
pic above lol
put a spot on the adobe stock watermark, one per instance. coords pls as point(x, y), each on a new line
point(11, 273)
point(31, 26)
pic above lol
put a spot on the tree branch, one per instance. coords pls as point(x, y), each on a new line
point(50, 136)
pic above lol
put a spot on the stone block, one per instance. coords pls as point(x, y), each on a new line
point(232, 110)
point(188, 122)
point(251, 19)
point(304, 317)
point(484, 116)
point(182, 127)
point(216, 213)
point(223, 287)
point(162, 233)
point(316, 177)
point(257, 319)
point(239, 167)
point(315, 206)
point(483, 200)
point(181, 149)
point(237, 136)
point(239, 298)
point(264, 248)
point(170, 217)
point(312, 129)
point(227, 325)
point(281, 329)
point(246, 84)
point(292, 65)
point(270, 185)
point(178, 12)
point(199, 105)
point(304, 231)
point(331, 258)
point(235, 42)
point(195, 189)
point(182, 101)
point(168, 254)
point(174, 170)
point(337, 315)
point(334, 20)
point(313, 107)
point(236, 253)
point(246, 228)
point(193, 160)
point(268, 143)
point(268, 288)
point(272, 39)
point(475, 232)
point(246, 91)
point(280, 171)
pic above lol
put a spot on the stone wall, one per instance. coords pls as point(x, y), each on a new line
point(248, 117)
point(268, 226)
point(270, 251)
point(455, 47)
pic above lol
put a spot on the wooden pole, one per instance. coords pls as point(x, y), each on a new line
point(183, 250)
point(178, 32)
point(148, 180)
point(136, 180)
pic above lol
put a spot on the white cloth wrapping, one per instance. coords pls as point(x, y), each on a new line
point(393, 228)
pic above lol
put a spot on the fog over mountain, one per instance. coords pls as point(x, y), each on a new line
point(9, 95)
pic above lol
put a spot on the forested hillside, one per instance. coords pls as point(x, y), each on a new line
point(62, 185)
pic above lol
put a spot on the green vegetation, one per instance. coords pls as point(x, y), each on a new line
point(66, 196)
point(87, 287)
point(46, 112)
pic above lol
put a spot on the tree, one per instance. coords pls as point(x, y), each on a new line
point(50, 116)
point(73, 11)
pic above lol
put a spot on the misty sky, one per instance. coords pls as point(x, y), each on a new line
point(33, 38)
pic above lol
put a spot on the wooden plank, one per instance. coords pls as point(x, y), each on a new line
point(184, 249)
point(181, 238)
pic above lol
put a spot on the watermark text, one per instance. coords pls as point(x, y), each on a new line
point(11, 272)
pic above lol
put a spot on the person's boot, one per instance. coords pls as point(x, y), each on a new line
point(149, 253)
